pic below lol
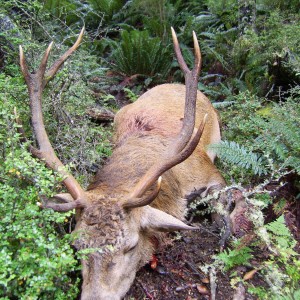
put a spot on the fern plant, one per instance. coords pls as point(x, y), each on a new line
point(281, 271)
point(281, 135)
point(276, 39)
point(107, 7)
point(138, 53)
point(267, 137)
point(281, 236)
point(240, 156)
point(237, 256)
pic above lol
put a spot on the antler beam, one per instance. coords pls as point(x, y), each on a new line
point(185, 143)
point(36, 83)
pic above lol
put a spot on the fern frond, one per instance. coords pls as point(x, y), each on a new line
point(211, 51)
point(235, 257)
point(281, 234)
point(138, 53)
point(237, 154)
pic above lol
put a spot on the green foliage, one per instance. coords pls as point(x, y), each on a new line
point(156, 16)
point(218, 7)
point(267, 138)
point(250, 50)
point(239, 255)
point(280, 139)
point(107, 7)
point(93, 12)
point(138, 53)
point(239, 155)
point(130, 95)
point(281, 236)
point(37, 260)
point(283, 5)
point(36, 257)
point(63, 9)
point(282, 270)
point(276, 40)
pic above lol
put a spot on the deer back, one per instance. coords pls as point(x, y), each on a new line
point(160, 111)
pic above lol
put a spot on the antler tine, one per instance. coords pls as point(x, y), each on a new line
point(57, 64)
point(191, 82)
point(63, 207)
point(198, 59)
point(185, 143)
point(43, 65)
point(142, 201)
point(35, 84)
point(23, 65)
point(178, 53)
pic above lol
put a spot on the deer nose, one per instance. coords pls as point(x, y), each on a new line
point(98, 297)
point(99, 294)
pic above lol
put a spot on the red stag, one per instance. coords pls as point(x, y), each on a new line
point(157, 164)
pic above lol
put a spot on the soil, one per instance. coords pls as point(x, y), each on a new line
point(178, 275)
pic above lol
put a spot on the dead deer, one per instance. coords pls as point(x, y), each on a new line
point(159, 161)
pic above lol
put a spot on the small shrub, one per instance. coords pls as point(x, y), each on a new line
point(276, 39)
point(37, 260)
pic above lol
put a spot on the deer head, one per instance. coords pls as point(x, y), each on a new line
point(115, 228)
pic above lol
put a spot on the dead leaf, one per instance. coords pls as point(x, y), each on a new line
point(202, 289)
point(250, 274)
point(205, 280)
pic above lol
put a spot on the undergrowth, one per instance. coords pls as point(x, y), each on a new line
point(266, 137)
point(34, 243)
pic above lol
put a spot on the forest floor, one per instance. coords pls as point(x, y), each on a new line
point(178, 275)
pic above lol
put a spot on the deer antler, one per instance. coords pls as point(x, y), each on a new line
point(36, 83)
point(133, 202)
point(185, 143)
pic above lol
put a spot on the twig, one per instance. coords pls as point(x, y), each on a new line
point(240, 292)
point(226, 219)
point(207, 230)
point(194, 269)
point(213, 284)
point(184, 287)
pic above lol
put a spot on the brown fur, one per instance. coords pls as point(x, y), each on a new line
point(143, 131)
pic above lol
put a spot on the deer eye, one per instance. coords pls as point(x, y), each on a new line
point(130, 248)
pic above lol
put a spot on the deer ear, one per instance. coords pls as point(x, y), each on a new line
point(156, 219)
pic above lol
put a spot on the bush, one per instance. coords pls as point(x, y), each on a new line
point(276, 39)
point(36, 257)
point(266, 137)
point(37, 260)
